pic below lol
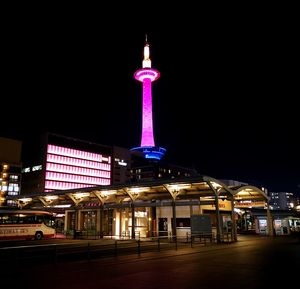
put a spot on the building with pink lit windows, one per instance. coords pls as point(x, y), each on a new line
point(57, 162)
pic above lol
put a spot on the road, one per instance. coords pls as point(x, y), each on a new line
point(252, 262)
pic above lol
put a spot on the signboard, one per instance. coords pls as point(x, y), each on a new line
point(249, 204)
point(201, 224)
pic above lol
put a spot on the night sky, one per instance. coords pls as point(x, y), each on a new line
point(225, 103)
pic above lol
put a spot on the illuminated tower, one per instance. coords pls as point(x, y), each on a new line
point(146, 75)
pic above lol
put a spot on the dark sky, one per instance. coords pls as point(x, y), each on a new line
point(225, 103)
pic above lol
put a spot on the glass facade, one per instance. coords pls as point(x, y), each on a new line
point(68, 168)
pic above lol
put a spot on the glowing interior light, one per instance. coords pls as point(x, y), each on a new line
point(108, 193)
point(25, 200)
point(63, 206)
point(51, 198)
point(81, 195)
point(215, 185)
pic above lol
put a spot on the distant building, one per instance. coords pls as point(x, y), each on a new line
point(282, 200)
point(143, 169)
point(121, 164)
point(55, 162)
point(10, 170)
point(233, 183)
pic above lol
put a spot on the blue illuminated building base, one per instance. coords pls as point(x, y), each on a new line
point(154, 153)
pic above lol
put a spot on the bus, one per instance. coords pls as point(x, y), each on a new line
point(26, 224)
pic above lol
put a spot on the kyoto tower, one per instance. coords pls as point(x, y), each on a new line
point(147, 75)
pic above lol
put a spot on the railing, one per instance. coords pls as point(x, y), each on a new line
point(78, 249)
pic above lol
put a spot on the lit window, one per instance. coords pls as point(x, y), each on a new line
point(37, 168)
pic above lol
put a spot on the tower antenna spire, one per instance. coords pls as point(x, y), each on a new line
point(146, 61)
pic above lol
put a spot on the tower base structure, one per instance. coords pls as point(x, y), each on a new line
point(151, 152)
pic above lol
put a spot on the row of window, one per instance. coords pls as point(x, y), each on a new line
point(77, 170)
point(52, 149)
point(54, 185)
point(10, 188)
point(74, 178)
point(77, 162)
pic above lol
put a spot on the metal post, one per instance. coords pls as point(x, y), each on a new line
point(174, 233)
point(116, 248)
point(270, 221)
point(101, 221)
point(55, 254)
point(75, 223)
point(88, 251)
point(133, 221)
point(218, 218)
point(139, 246)
point(233, 223)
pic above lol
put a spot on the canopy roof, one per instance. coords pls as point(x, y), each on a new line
point(196, 190)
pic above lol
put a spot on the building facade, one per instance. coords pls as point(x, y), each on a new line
point(282, 200)
point(143, 169)
point(55, 162)
point(10, 170)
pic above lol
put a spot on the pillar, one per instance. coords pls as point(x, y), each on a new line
point(132, 222)
point(270, 221)
point(218, 225)
point(174, 233)
point(233, 223)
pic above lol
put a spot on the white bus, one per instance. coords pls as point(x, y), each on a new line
point(26, 224)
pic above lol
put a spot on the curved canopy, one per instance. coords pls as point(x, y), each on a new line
point(249, 196)
point(193, 191)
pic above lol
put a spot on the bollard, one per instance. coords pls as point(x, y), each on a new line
point(139, 246)
point(55, 254)
point(16, 258)
point(116, 248)
point(88, 251)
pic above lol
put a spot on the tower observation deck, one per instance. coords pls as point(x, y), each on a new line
point(147, 75)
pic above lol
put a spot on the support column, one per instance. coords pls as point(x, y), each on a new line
point(132, 221)
point(150, 225)
point(233, 223)
point(245, 221)
point(218, 225)
point(101, 221)
point(66, 224)
point(120, 220)
point(75, 223)
point(174, 231)
point(270, 221)
point(98, 222)
point(174, 192)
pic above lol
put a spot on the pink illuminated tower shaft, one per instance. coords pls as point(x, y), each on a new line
point(147, 129)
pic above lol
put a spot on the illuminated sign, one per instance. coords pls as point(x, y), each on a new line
point(248, 204)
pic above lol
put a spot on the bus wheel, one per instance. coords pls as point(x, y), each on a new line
point(38, 236)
